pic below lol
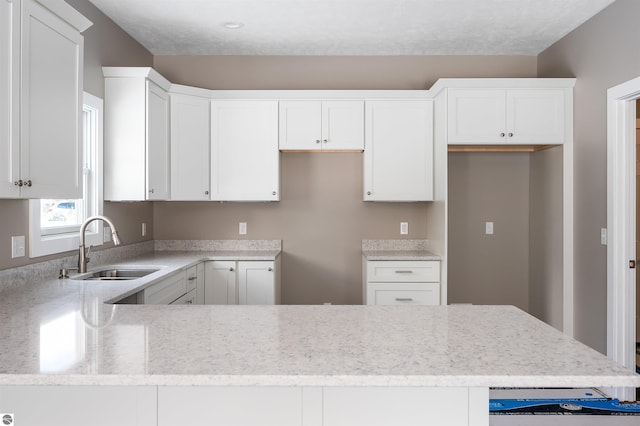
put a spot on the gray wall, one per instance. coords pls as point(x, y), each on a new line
point(321, 218)
point(489, 269)
point(601, 53)
point(545, 236)
point(105, 44)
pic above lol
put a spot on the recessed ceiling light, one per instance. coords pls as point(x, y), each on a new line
point(233, 25)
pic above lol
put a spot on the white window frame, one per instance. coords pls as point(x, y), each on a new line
point(43, 242)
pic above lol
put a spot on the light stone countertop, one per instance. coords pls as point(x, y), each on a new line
point(59, 332)
point(399, 255)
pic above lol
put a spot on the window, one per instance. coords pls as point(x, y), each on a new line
point(54, 225)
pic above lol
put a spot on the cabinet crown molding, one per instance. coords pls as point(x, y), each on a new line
point(66, 13)
point(137, 72)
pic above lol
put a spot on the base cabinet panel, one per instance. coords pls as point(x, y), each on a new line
point(80, 405)
point(229, 406)
point(394, 406)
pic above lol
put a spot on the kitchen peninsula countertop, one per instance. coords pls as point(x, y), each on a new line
point(61, 332)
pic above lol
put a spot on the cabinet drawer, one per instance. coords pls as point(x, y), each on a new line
point(403, 294)
point(187, 299)
point(167, 290)
point(403, 271)
point(192, 278)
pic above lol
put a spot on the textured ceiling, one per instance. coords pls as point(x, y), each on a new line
point(349, 27)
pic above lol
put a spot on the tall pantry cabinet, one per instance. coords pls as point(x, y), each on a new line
point(41, 69)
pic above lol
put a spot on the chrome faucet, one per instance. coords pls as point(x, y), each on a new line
point(83, 260)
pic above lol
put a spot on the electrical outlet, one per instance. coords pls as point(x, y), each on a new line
point(144, 229)
point(17, 246)
point(404, 228)
point(242, 228)
point(488, 228)
point(106, 234)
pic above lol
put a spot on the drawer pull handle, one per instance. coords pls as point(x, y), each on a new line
point(404, 299)
point(193, 278)
point(404, 272)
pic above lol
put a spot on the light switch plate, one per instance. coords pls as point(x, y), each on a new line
point(404, 228)
point(242, 228)
point(17, 246)
point(488, 228)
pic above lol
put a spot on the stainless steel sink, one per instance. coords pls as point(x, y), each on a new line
point(116, 274)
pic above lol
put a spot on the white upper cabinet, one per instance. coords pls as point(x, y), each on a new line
point(9, 105)
point(398, 155)
point(506, 116)
point(41, 105)
point(136, 148)
point(245, 161)
point(322, 125)
point(190, 138)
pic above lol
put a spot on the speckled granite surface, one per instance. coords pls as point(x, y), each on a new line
point(397, 250)
point(217, 245)
point(60, 332)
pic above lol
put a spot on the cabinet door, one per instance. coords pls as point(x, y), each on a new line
point(300, 125)
point(9, 106)
point(256, 283)
point(535, 116)
point(398, 156)
point(245, 161)
point(186, 299)
point(51, 105)
point(476, 116)
point(343, 125)
point(157, 143)
point(220, 283)
point(190, 138)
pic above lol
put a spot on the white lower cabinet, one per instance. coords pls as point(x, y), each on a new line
point(220, 286)
point(229, 406)
point(318, 406)
point(391, 406)
point(245, 405)
point(166, 291)
point(80, 405)
point(401, 282)
point(242, 282)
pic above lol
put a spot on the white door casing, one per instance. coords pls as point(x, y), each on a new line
point(621, 196)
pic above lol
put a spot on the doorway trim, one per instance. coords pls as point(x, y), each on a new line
point(621, 225)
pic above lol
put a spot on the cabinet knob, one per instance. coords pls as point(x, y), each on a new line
point(368, 192)
point(28, 183)
point(274, 193)
point(325, 141)
point(510, 135)
point(18, 183)
point(270, 269)
point(206, 192)
point(151, 191)
point(502, 135)
point(317, 140)
point(231, 269)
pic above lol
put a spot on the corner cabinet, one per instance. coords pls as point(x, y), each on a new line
point(330, 125)
point(190, 156)
point(245, 161)
point(136, 147)
point(248, 282)
point(506, 116)
point(41, 69)
point(398, 155)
